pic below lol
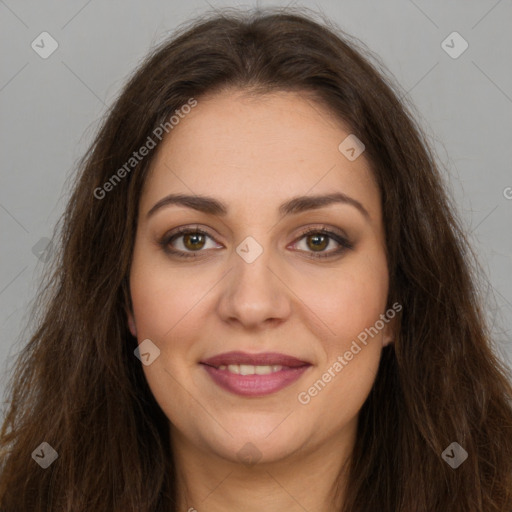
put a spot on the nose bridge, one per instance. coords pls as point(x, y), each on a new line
point(253, 292)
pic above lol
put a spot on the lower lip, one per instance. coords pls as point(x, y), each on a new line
point(255, 385)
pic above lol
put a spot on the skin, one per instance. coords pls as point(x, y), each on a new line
point(254, 153)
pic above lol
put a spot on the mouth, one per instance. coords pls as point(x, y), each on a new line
point(254, 374)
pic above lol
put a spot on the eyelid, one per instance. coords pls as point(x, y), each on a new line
point(322, 228)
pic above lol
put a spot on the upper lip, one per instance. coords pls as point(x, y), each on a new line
point(262, 359)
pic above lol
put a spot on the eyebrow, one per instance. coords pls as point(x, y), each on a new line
point(300, 204)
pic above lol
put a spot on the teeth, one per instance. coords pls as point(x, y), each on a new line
point(246, 369)
point(234, 368)
point(249, 369)
point(263, 370)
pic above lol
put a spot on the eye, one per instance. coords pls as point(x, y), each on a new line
point(316, 240)
point(186, 240)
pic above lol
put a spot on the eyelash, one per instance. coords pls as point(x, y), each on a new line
point(342, 241)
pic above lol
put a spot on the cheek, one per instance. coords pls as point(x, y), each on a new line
point(333, 399)
point(162, 299)
point(347, 301)
point(352, 302)
point(165, 305)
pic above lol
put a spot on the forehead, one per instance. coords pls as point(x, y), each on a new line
point(260, 149)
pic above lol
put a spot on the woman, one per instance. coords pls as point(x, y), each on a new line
point(263, 301)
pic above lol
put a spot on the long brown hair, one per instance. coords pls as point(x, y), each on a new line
point(78, 386)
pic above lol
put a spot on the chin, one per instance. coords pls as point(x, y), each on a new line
point(251, 442)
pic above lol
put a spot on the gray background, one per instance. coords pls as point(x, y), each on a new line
point(50, 108)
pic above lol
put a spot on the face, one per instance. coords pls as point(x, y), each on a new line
point(277, 290)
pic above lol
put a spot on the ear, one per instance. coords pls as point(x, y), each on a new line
point(131, 323)
point(390, 331)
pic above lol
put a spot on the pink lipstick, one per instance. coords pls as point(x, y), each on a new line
point(254, 375)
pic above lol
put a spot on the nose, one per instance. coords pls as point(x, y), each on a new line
point(255, 294)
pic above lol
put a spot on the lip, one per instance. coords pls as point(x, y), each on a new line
point(264, 358)
point(254, 385)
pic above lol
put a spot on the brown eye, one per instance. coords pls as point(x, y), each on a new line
point(184, 242)
point(317, 242)
point(193, 241)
